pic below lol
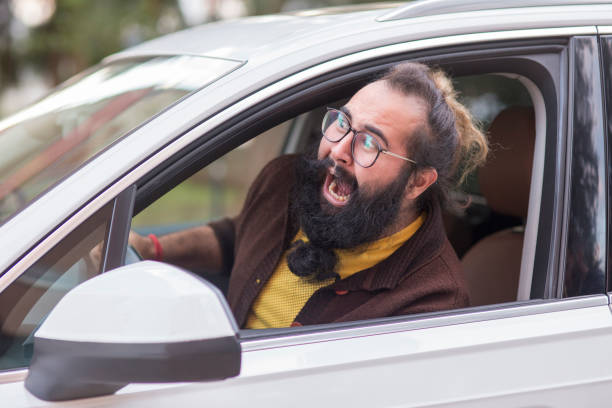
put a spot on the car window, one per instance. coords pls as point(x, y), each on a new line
point(486, 96)
point(606, 55)
point(498, 102)
point(216, 191)
point(47, 141)
point(586, 241)
point(490, 227)
point(26, 302)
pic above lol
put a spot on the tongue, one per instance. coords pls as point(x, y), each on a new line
point(343, 189)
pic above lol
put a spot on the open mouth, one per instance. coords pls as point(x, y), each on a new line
point(337, 190)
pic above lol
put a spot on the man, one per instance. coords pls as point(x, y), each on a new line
point(356, 232)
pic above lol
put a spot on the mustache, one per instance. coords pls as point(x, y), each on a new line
point(344, 177)
point(340, 173)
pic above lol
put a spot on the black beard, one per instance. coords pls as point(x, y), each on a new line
point(364, 219)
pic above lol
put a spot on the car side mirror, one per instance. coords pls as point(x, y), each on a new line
point(142, 323)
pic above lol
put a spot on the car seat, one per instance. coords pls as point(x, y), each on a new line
point(492, 266)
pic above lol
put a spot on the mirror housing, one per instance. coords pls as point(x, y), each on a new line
point(147, 322)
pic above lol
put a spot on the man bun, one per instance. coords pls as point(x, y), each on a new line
point(449, 141)
point(473, 145)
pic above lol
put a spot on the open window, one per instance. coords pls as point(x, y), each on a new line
point(489, 229)
point(511, 92)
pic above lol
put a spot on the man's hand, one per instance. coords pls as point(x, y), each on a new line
point(143, 245)
point(191, 248)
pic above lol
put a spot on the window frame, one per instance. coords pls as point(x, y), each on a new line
point(546, 70)
point(500, 57)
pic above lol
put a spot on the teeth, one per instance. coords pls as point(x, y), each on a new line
point(338, 197)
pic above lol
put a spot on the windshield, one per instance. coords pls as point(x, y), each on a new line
point(50, 139)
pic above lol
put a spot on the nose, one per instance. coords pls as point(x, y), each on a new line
point(341, 151)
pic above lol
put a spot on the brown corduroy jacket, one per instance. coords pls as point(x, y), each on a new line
point(423, 275)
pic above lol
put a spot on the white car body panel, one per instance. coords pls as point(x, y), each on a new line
point(509, 362)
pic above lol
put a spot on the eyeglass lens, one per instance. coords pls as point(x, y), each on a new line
point(364, 147)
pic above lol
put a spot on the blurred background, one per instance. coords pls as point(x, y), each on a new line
point(44, 42)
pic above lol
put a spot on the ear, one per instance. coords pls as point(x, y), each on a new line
point(420, 182)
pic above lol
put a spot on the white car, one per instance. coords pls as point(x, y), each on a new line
point(218, 101)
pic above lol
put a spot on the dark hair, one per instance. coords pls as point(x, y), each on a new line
point(448, 141)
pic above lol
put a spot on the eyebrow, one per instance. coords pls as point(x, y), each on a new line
point(369, 128)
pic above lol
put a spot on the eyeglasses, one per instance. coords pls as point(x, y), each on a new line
point(365, 147)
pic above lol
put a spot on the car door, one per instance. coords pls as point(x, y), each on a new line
point(539, 351)
point(545, 349)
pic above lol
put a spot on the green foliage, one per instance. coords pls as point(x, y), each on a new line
point(83, 32)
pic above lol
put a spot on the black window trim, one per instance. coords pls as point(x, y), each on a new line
point(117, 234)
point(582, 163)
point(605, 57)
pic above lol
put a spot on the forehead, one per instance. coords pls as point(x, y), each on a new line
point(395, 114)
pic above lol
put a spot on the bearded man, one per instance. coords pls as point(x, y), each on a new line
point(355, 230)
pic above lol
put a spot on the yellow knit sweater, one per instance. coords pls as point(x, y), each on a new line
point(285, 294)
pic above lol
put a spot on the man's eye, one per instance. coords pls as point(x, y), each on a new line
point(368, 143)
point(342, 123)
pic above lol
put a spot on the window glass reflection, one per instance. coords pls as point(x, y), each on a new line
point(47, 141)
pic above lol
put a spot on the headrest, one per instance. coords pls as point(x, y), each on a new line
point(506, 176)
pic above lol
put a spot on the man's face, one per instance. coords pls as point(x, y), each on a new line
point(386, 114)
point(343, 205)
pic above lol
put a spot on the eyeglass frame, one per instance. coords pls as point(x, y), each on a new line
point(355, 132)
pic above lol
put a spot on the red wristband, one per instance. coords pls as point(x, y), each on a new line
point(159, 253)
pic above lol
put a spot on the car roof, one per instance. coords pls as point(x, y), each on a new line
point(243, 38)
point(431, 7)
point(264, 37)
